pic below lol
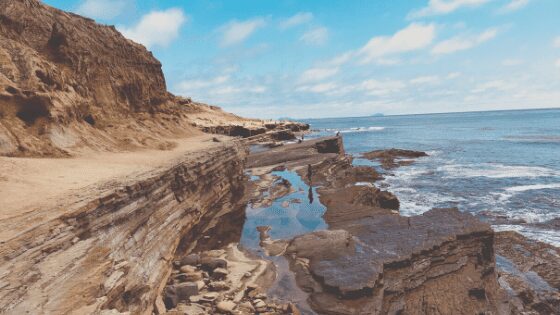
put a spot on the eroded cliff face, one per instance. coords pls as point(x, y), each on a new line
point(68, 84)
point(114, 250)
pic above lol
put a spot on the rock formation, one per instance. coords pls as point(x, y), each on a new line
point(387, 157)
point(69, 84)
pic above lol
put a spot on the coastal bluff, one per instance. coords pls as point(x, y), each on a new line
point(70, 85)
point(118, 198)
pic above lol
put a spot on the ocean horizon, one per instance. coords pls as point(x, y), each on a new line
point(501, 166)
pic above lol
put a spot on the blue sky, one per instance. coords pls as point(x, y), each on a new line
point(319, 58)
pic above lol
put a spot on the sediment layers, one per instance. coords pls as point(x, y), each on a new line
point(372, 260)
point(69, 85)
point(389, 264)
point(114, 250)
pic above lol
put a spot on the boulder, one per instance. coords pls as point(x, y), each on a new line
point(192, 260)
point(211, 263)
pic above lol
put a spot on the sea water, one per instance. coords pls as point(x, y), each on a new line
point(503, 166)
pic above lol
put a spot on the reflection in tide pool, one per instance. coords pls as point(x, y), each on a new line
point(294, 214)
point(297, 213)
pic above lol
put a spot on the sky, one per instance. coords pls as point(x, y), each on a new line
point(335, 58)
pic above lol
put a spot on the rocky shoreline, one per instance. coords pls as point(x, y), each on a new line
point(136, 201)
point(371, 260)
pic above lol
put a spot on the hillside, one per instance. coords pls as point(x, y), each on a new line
point(68, 84)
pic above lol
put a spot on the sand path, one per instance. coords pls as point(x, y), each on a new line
point(34, 187)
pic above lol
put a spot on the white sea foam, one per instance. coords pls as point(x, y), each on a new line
point(496, 171)
point(532, 187)
point(357, 129)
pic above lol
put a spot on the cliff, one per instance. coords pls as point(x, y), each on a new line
point(113, 249)
point(68, 84)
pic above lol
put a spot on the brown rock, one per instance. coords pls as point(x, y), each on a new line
point(191, 260)
point(387, 157)
point(219, 273)
point(211, 263)
point(226, 307)
point(218, 286)
point(185, 290)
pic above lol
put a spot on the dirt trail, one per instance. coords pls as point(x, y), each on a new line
point(30, 185)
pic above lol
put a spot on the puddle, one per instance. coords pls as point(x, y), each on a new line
point(297, 213)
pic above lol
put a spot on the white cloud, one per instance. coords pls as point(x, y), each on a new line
point(315, 36)
point(453, 75)
point(556, 42)
point(230, 89)
point(440, 7)
point(101, 9)
point(511, 62)
point(413, 37)
point(317, 74)
point(381, 88)
point(236, 32)
point(157, 28)
point(459, 43)
point(341, 59)
point(557, 63)
point(514, 5)
point(318, 88)
point(498, 85)
point(295, 20)
point(433, 79)
point(189, 85)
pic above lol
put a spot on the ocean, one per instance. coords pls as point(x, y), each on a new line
point(502, 166)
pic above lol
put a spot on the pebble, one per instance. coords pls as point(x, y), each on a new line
point(219, 273)
point(247, 306)
point(258, 303)
point(226, 306)
point(188, 269)
point(219, 286)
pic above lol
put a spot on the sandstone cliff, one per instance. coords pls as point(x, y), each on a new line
point(113, 249)
point(69, 84)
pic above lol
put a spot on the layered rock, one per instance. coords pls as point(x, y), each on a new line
point(372, 260)
point(114, 250)
point(68, 84)
point(388, 158)
point(396, 265)
point(529, 271)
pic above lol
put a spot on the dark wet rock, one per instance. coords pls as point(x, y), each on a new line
point(338, 172)
point(372, 196)
point(387, 157)
point(211, 263)
point(331, 145)
point(356, 202)
point(391, 264)
point(529, 271)
point(283, 135)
